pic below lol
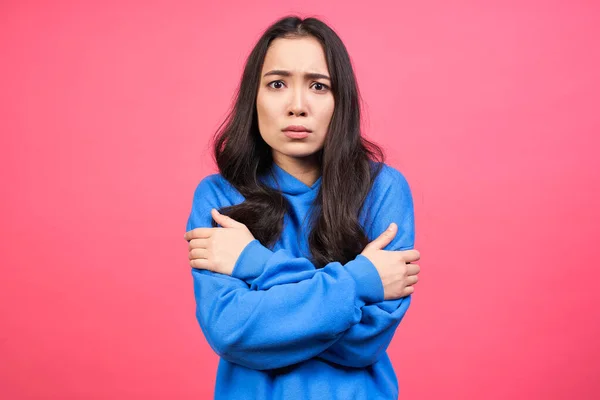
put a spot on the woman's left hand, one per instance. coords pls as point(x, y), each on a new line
point(217, 249)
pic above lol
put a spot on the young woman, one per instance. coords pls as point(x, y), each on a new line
point(294, 289)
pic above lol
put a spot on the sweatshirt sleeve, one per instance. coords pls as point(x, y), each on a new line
point(285, 324)
point(363, 343)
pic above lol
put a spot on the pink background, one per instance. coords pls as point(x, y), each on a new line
point(490, 109)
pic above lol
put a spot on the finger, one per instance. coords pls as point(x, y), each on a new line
point(198, 233)
point(224, 220)
point(201, 263)
point(197, 254)
point(410, 255)
point(408, 290)
point(198, 244)
point(411, 280)
point(385, 238)
point(412, 269)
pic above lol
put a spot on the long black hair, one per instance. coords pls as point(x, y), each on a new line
point(349, 162)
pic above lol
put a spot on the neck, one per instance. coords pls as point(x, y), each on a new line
point(305, 169)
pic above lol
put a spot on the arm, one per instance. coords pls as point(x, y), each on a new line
point(363, 343)
point(286, 324)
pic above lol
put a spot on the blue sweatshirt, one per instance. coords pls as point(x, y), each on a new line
point(286, 330)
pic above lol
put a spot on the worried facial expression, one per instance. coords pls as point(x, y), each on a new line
point(294, 90)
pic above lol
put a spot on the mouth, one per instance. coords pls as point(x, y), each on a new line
point(296, 128)
point(296, 131)
point(296, 134)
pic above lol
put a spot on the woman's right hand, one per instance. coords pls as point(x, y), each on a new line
point(397, 273)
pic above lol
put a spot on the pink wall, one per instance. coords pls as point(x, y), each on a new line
point(490, 110)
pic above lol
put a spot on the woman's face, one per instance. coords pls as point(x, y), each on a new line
point(295, 89)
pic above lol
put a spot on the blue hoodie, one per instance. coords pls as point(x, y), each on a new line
point(286, 330)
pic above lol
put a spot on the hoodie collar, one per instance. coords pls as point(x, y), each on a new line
point(280, 179)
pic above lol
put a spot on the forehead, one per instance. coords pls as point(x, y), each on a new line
point(298, 54)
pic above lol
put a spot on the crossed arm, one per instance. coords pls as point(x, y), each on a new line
point(277, 310)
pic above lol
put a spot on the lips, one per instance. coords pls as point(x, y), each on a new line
point(296, 128)
point(296, 134)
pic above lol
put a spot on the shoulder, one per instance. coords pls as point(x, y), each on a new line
point(212, 183)
point(390, 200)
point(389, 179)
point(215, 189)
point(389, 194)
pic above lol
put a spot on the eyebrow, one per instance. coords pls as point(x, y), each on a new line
point(308, 75)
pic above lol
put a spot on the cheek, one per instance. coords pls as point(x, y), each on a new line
point(324, 119)
point(266, 112)
point(326, 113)
point(266, 119)
point(260, 106)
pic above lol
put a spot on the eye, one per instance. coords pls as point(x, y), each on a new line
point(271, 84)
point(321, 85)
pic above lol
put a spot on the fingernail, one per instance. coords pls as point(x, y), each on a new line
point(391, 227)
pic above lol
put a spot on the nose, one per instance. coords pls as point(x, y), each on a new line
point(298, 104)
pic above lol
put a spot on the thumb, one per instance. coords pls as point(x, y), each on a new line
point(385, 238)
point(224, 220)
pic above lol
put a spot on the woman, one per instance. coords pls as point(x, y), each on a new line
point(293, 287)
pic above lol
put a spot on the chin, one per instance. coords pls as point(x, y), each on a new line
point(297, 150)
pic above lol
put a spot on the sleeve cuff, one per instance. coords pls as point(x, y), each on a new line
point(251, 262)
point(369, 288)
